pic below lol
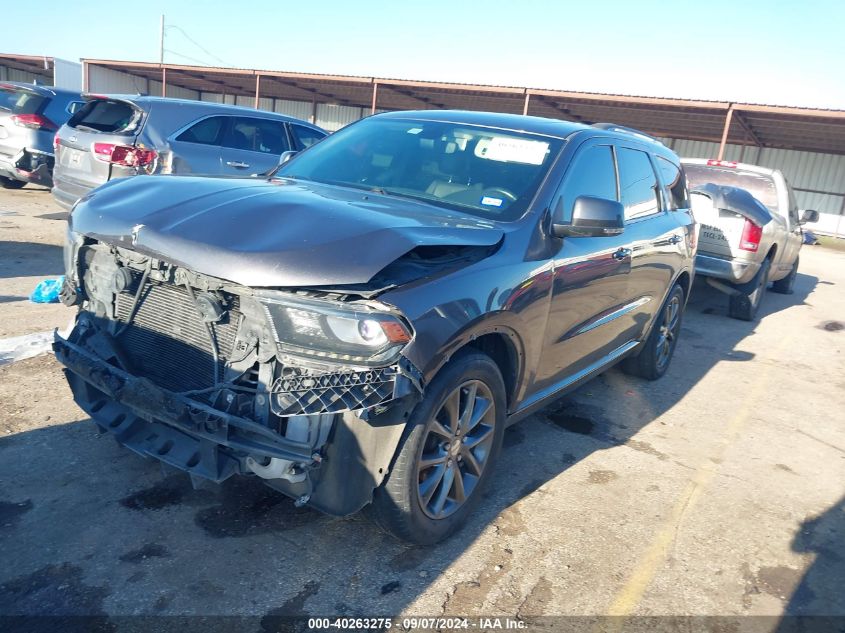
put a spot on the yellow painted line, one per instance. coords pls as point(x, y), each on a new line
point(629, 596)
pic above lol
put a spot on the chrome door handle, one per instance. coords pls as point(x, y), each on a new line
point(675, 239)
point(622, 253)
point(237, 164)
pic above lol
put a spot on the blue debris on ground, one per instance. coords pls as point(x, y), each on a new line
point(47, 291)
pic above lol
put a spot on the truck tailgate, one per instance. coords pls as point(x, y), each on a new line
point(720, 231)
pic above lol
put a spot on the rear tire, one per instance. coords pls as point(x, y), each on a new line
point(744, 306)
point(786, 285)
point(408, 505)
point(11, 183)
point(656, 354)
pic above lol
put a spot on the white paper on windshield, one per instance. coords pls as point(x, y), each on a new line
point(512, 150)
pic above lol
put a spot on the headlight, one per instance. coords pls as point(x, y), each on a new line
point(333, 331)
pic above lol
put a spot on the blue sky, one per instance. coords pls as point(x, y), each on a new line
point(781, 52)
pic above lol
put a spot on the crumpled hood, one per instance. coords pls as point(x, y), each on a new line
point(277, 233)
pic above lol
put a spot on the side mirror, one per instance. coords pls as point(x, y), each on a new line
point(283, 158)
point(286, 156)
point(809, 215)
point(593, 217)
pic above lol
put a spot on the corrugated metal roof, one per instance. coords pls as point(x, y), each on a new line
point(809, 129)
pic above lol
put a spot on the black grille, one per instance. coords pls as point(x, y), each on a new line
point(167, 340)
point(298, 391)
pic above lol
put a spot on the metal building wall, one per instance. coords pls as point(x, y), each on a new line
point(333, 117)
point(13, 74)
point(107, 81)
point(67, 74)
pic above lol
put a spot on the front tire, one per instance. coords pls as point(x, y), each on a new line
point(446, 454)
point(11, 183)
point(656, 354)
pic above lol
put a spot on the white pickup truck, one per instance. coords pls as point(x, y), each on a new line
point(750, 230)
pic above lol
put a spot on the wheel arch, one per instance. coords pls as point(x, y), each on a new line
point(497, 340)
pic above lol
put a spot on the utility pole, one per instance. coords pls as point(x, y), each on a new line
point(161, 41)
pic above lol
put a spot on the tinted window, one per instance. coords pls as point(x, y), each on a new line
point(106, 116)
point(637, 183)
point(257, 135)
point(592, 174)
point(305, 137)
point(477, 170)
point(74, 106)
point(205, 132)
point(675, 183)
point(20, 101)
point(761, 186)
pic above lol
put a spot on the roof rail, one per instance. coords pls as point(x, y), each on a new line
point(613, 127)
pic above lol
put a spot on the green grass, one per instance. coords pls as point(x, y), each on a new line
point(836, 243)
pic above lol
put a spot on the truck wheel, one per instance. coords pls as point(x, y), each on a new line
point(11, 183)
point(785, 286)
point(446, 454)
point(744, 305)
point(656, 353)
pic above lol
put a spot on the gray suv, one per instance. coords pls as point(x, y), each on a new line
point(117, 136)
point(360, 328)
point(29, 118)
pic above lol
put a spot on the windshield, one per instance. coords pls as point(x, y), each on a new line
point(482, 171)
point(760, 186)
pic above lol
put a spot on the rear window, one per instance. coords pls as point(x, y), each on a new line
point(21, 101)
point(101, 115)
point(760, 186)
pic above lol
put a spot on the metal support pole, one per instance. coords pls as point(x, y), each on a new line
point(375, 97)
point(314, 110)
point(161, 41)
point(257, 88)
point(85, 87)
point(525, 105)
point(728, 118)
point(839, 219)
point(163, 81)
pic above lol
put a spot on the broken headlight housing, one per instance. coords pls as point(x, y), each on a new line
point(328, 330)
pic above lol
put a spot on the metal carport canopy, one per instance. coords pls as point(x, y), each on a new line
point(784, 127)
point(34, 64)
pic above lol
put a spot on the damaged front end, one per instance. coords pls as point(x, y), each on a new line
point(307, 390)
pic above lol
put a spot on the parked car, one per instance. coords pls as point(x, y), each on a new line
point(361, 327)
point(750, 230)
point(29, 117)
point(120, 136)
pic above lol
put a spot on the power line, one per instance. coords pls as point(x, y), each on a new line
point(195, 43)
point(202, 62)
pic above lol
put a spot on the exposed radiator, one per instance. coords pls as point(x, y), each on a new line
point(167, 340)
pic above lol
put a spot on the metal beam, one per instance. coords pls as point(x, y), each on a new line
point(748, 129)
point(410, 95)
point(725, 131)
point(164, 81)
point(525, 105)
point(257, 88)
point(554, 105)
point(375, 97)
point(311, 92)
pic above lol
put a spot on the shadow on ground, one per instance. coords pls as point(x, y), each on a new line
point(29, 259)
point(88, 528)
